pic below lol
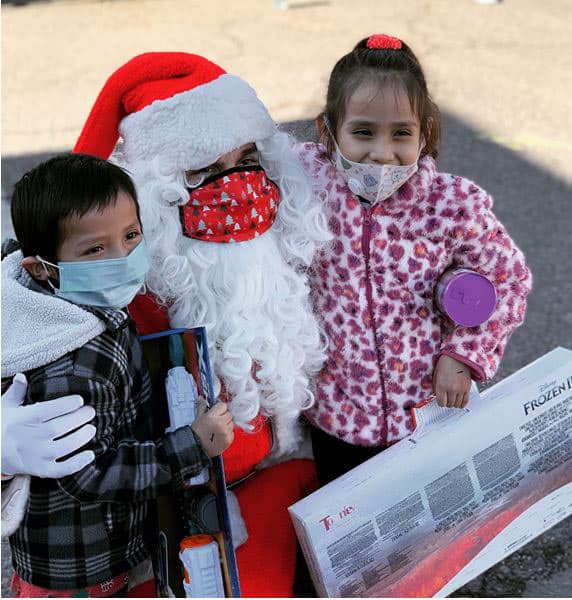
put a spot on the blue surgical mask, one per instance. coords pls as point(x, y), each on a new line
point(109, 283)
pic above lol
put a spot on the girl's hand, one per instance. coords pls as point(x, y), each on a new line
point(451, 382)
point(214, 427)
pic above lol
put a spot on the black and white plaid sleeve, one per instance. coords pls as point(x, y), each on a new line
point(125, 469)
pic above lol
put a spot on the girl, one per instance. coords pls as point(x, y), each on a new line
point(398, 225)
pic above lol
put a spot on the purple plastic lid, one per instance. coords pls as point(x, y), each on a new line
point(469, 299)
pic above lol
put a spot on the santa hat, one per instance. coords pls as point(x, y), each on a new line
point(179, 106)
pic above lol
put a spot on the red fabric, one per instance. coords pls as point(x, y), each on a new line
point(22, 589)
point(147, 589)
point(247, 450)
point(235, 207)
point(148, 315)
point(267, 561)
point(138, 83)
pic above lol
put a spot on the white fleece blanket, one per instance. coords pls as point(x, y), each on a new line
point(38, 328)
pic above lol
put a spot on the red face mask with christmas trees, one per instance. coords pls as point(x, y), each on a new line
point(234, 206)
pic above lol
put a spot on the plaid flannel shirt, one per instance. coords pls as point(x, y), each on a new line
point(89, 527)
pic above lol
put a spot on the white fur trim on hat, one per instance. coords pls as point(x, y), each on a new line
point(192, 129)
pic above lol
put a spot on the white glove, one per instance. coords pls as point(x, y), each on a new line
point(29, 433)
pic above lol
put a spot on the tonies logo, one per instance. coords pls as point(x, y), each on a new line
point(330, 520)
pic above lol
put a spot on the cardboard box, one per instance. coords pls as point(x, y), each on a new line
point(437, 509)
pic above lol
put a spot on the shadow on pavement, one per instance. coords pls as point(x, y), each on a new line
point(534, 206)
point(23, 2)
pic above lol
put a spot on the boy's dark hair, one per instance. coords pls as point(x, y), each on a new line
point(64, 186)
point(382, 65)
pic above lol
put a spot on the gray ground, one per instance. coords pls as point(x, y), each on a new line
point(501, 75)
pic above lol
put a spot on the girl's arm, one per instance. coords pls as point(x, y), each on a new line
point(483, 244)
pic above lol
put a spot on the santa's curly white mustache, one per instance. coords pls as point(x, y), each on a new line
point(264, 340)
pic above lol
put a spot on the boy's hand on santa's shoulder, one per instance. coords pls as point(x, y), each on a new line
point(214, 427)
point(451, 382)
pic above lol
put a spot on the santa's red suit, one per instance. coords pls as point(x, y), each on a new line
point(267, 560)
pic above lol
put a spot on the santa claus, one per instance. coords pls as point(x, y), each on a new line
point(231, 225)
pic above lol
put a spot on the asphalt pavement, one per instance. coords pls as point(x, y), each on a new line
point(501, 74)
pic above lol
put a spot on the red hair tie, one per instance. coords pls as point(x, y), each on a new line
point(380, 41)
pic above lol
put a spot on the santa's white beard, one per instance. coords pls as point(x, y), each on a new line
point(264, 341)
point(249, 295)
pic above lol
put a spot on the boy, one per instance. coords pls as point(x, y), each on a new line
point(82, 260)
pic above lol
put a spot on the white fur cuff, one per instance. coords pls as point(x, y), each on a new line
point(237, 524)
point(14, 502)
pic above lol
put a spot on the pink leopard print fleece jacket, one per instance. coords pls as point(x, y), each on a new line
point(373, 289)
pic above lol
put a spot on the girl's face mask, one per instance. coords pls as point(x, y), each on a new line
point(234, 206)
point(108, 283)
point(374, 182)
